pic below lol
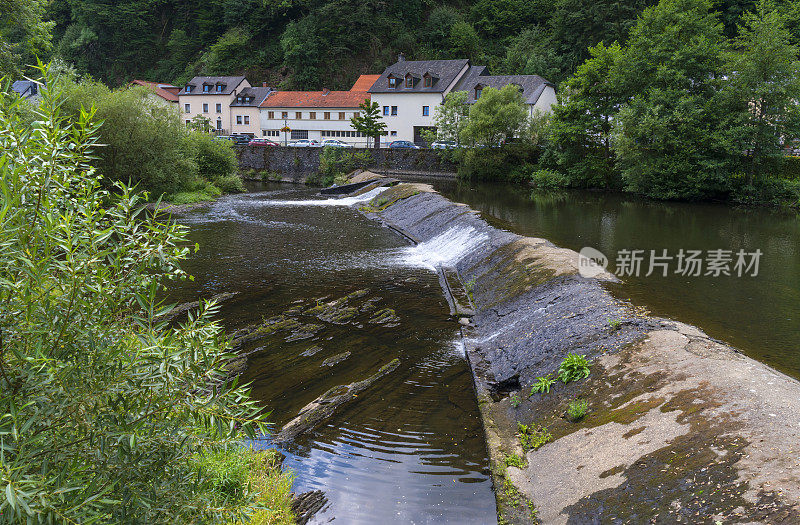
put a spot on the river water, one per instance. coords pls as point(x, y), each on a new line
point(759, 314)
point(410, 449)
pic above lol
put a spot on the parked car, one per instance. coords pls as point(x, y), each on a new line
point(444, 144)
point(334, 143)
point(262, 142)
point(241, 139)
point(406, 144)
point(305, 143)
point(223, 137)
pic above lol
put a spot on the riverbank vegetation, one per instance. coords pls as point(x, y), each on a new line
point(678, 112)
point(107, 414)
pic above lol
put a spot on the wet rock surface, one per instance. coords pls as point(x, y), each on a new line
point(680, 427)
point(307, 504)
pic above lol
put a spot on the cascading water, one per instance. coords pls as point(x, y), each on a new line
point(446, 249)
point(344, 201)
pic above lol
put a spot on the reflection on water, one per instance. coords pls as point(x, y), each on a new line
point(760, 315)
point(410, 449)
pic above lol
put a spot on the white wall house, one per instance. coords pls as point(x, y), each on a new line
point(316, 115)
point(408, 92)
point(211, 97)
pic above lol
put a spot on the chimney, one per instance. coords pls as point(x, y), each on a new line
point(401, 57)
point(325, 91)
point(263, 84)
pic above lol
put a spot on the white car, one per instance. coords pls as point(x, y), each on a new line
point(444, 144)
point(333, 143)
point(304, 143)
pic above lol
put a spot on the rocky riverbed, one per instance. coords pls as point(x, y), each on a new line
point(678, 427)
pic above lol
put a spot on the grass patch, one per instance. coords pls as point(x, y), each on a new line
point(238, 472)
point(515, 401)
point(573, 368)
point(542, 385)
point(532, 438)
point(577, 409)
point(513, 460)
point(615, 324)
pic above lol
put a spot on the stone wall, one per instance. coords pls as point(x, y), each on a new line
point(295, 164)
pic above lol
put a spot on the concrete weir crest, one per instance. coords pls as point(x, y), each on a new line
point(679, 427)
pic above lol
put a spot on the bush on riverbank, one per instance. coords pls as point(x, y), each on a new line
point(145, 143)
point(105, 408)
point(336, 163)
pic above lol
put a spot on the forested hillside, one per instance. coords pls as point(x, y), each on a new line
point(309, 44)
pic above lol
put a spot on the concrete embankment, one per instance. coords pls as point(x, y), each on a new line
point(678, 428)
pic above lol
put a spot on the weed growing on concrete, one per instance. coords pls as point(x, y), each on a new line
point(469, 286)
point(513, 460)
point(573, 368)
point(532, 438)
point(515, 400)
point(615, 324)
point(542, 385)
point(577, 409)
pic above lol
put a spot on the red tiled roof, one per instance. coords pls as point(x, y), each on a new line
point(364, 82)
point(166, 91)
point(315, 99)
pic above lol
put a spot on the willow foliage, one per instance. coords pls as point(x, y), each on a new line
point(103, 409)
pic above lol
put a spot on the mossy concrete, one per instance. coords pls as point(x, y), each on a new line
point(681, 428)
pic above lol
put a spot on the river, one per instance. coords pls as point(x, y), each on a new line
point(759, 314)
point(410, 449)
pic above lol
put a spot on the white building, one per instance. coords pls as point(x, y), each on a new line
point(211, 98)
point(409, 91)
point(315, 115)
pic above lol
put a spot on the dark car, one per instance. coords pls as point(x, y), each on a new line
point(262, 142)
point(406, 144)
point(239, 139)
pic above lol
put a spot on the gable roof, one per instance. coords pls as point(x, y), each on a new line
point(315, 99)
point(166, 91)
point(446, 71)
point(532, 86)
point(230, 83)
point(258, 94)
point(25, 88)
point(364, 82)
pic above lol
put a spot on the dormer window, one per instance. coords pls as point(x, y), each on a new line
point(428, 81)
point(206, 88)
point(409, 81)
point(478, 91)
point(392, 82)
point(239, 100)
point(188, 89)
point(220, 88)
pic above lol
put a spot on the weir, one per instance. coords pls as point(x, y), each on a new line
point(672, 413)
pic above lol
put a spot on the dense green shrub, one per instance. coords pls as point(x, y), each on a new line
point(335, 163)
point(549, 180)
point(103, 407)
point(215, 158)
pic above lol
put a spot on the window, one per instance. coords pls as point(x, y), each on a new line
point(188, 122)
point(206, 88)
point(271, 133)
point(247, 119)
point(409, 81)
point(219, 108)
point(394, 111)
point(299, 134)
point(313, 115)
point(356, 114)
point(271, 115)
point(426, 110)
point(239, 100)
point(205, 108)
point(478, 91)
point(238, 119)
point(327, 115)
point(188, 89)
point(386, 111)
point(428, 81)
point(341, 115)
point(392, 82)
point(394, 133)
point(284, 114)
point(219, 124)
point(298, 115)
point(220, 87)
point(187, 108)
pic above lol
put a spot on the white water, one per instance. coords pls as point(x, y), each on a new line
point(346, 201)
point(446, 249)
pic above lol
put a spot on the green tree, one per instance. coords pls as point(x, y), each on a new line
point(24, 35)
point(104, 407)
point(580, 131)
point(369, 122)
point(763, 88)
point(451, 116)
point(667, 137)
point(498, 115)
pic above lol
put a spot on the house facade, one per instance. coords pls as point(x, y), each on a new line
point(211, 97)
point(314, 115)
point(409, 91)
point(245, 110)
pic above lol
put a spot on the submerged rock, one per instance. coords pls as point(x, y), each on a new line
point(311, 351)
point(305, 505)
point(334, 360)
point(183, 308)
point(325, 405)
point(269, 326)
point(386, 317)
